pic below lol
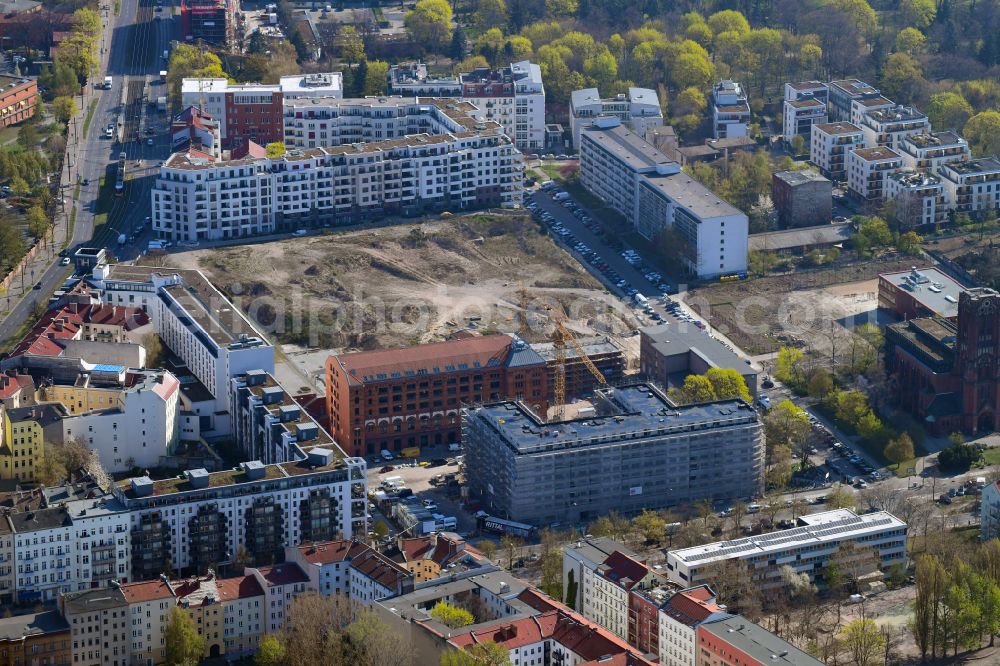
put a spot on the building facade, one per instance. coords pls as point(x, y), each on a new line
point(36, 639)
point(803, 198)
point(919, 198)
point(928, 152)
point(18, 98)
point(868, 170)
point(638, 109)
point(799, 117)
point(829, 146)
point(730, 110)
point(866, 543)
point(394, 399)
point(638, 452)
point(889, 127)
point(679, 619)
point(255, 112)
point(842, 94)
point(25, 431)
point(972, 186)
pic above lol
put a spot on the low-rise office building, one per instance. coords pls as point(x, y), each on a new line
point(971, 186)
point(512, 96)
point(868, 170)
point(919, 198)
point(631, 176)
point(18, 99)
point(730, 110)
point(668, 353)
point(803, 198)
point(737, 640)
point(638, 109)
point(397, 398)
point(639, 451)
point(830, 144)
point(928, 152)
point(866, 543)
point(923, 292)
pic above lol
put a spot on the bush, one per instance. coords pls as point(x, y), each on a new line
point(452, 616)
point(958, 457)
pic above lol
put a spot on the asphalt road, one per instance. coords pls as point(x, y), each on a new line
point(137, 41)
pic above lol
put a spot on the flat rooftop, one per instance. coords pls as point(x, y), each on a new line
point(896, 114)
point(933, 337)
point(936, 140)
point(982, 166)
point(837, 128)
point(807, 103)
point(931, 287)
point(641, 410)
point(876, 154)
point(815, 528)
point(801, 176)
point(760, 644)
point(459, 111)
point(292, 84)
point(627, 146)
point(824, 234)
point(854, 87)
point(690, 194)
point(672, 339)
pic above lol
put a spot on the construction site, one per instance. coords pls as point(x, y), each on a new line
point(397, 286)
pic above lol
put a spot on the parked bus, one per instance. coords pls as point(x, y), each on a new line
point(489, 523)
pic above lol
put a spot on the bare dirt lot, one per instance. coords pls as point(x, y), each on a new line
point(762, 314)
point(407, 284)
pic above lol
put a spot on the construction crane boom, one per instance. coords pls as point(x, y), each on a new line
point(560, 336)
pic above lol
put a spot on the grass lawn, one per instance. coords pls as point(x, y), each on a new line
point(8, 135)
point(552, 171)
point(901, 468)
point(90, 117)
point(991, 456)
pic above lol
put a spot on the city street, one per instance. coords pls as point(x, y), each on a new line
point(137, 40)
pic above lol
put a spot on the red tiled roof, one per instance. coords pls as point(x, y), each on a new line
point(148, 590)
point(9, 386)
point(621, 569)
point(66, 322)
point(325, 552)
point(415, 548)
point(240, 587)
point(377, 566)
point(486, 350)
point(692, 606)
point(283, 574)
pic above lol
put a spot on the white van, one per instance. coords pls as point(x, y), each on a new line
point(454, 446)
point(387, 454)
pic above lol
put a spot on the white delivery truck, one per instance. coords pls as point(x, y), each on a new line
point(107, 82)
point(640, 300)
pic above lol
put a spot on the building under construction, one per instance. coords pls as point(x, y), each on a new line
point(607, 357)
point(211, 21)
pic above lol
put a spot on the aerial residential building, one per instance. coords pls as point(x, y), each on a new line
point(730, 110)
point(638, 109)
point(18, 99)
point(35, 639)
point(919, 198)
point(737, 640)
point(679, 619)
point(923, 292)
point(512, 96)
point(862, 106)
point(255, 111)
point(434, 555)
point(841, 95)
point(129, 417)
point(932, 150)
point(195, 130)
point(668, 353)
point(212, 337)
point(889, 127)
point(198, 199)
point(868, 170)
point(989, 511)
point(149, 604)
point(807, 90)
point(639, 451)
point(99, 626)
point(350, 570)
point(268, 425)
point(397, 398)
point(799, 117)
point(877, 541)
point(25, 431)
point(631, 176)
point(938, 366)
point(607, 357)
point(200, 520)
point(281, 584)
point(971, 186)
point(211, 21)
point(7, 563)
point(830, 144)
point(586, 554)
point(531, 626)
point(803, 198)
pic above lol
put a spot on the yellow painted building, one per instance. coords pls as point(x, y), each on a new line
point(83, 399)
point(25, 431)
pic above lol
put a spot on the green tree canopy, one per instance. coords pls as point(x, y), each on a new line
point(451, 616)
point(429, 23)
point(184, 645)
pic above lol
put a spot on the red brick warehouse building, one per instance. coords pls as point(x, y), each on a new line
point(18, 98)
point(397, 398)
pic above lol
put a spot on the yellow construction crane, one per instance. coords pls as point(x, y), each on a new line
point(560, 336)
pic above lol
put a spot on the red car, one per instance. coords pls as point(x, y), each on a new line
point(386, 469)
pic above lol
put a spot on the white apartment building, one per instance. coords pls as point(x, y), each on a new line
point(254, 111)
point(679, 618)
point(76, 546)
point(799, 117)
point(989, 511)
point(932, 150)
point(580, 556)
point(198, 199)
point(888, 127)
point(281, 584)
point(331, 121)
point(730, 110)
point(350, 569)
point(7, 563)
point(878, 541)
point(200, 519)
point(971, 186)
point(638, 109)
point(919, 198)
point(99, 626)
point(149, 604)
point(868, 169)
point(512, 96)
point(862, 106)
point(650, 190)
point(139, 428)
point(841, 95)
point(830, 144)
point(197, 322)
point(807, 90)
